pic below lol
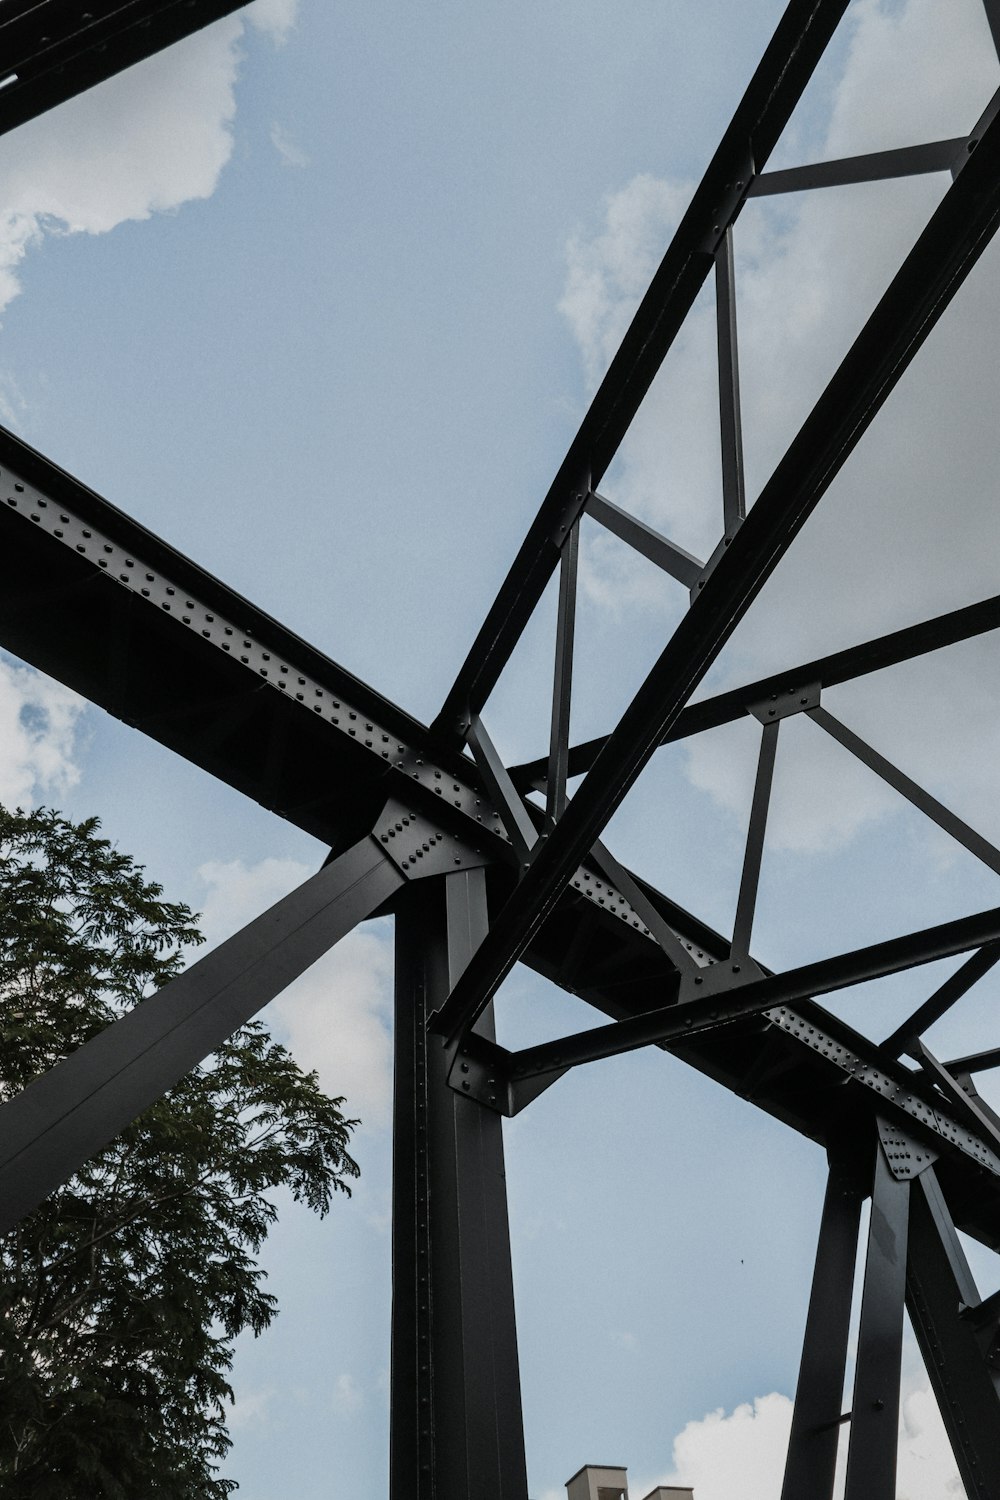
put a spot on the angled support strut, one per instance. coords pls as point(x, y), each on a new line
point(70, 1113)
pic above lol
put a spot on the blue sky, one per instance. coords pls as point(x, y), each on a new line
point(320, 296)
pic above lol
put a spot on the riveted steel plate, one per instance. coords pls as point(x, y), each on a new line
point(789, 701)
point(907, 1157)
point(873, 1078)
point(418, 847)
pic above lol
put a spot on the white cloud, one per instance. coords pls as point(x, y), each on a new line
point(907, 529)
point(147, 141)
point(624, 1339)
point(144, 142)
point(236, 892)
point(273, 17)
point(249, 1408)
point(348, 1398)
point(11, 400)
point(742, 1453)
point(910, 68)
point(39, 725)
point(926, 1467)
point(336, 1018)
point(291, 154)
point(608, 274)
point(821, 796)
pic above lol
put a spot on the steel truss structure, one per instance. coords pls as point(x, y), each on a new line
point(480, 876)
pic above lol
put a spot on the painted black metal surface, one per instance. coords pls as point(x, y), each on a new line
point(819, 1392)
point(67, 1115)
point(956, 1343)
point(53, 49)
point(480, 876)
point(944, 254)
point(456, 1410)
point(796, 48)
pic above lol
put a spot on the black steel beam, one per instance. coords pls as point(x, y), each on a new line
point(943, 998)
point(137, 628)
point(975, 1062)
point(456, 1424)
point(992, 9)
point(908, 788)
point(786, 67)
point(754, 853)
point(806, 1067)
point(562, 679)
point(734, 506)
point(875, 166)
point(61, 610)
point(819, 1392)
point(935, 268)
point(734, 991)
point(658, 549)
point(108, 608)
point(68, 1114)
point(513, 814)
point(939, 1285)
point(962, 1103)
point(872, 1453)
point(53, 49)
point(841, 666)
point(677, 952)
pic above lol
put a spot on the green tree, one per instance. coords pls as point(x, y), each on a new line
point(121, 1296)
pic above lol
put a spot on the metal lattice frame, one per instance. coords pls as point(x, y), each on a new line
point(479, 877)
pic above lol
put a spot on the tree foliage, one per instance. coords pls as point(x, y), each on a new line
point(121, 1296)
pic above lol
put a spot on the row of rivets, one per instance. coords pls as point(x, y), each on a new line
point(282, 675)
point(882, 1084)
point(131, 573)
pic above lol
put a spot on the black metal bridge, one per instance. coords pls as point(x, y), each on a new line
point(481, 876)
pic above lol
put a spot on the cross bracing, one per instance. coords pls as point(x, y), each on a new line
point(428, 822)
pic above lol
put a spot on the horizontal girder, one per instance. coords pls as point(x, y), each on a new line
point(53, 49)
point(100, 603)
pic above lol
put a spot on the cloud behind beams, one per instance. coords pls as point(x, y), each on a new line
point(608, 273)
point(291, 154)
point(336, 1017)
point(39, 726)
point(908, 527)
point(273, 17)
point(146, 141)
point(742, 1452)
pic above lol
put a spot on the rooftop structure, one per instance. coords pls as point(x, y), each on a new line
point(609, 1482)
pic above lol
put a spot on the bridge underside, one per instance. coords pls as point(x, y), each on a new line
point(485, 865)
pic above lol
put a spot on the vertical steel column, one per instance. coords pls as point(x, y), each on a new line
point(943, 1302)
point(747, 900)
point(456, 1426)
point(734, 504)
point(562, 684)
point(819, 1393)
point(871, 1457)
